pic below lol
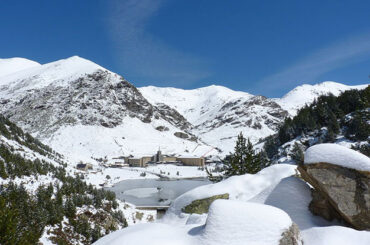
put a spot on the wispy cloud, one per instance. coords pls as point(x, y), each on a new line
point(329, 58)
point(144, 55)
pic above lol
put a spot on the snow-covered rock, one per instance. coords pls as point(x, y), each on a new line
point(252, 224)
point(235, 222)
point(340, 177)
point(242, 187)
point(154, 234)
point(262, 211)
point(337, 155)
point(292, 195)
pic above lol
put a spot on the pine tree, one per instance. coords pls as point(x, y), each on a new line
point(70, 209)
point(244, 159)
point(2, 170)
point(297, 153)
point(213, 178)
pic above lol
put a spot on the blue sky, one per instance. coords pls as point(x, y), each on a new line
point(262, 47)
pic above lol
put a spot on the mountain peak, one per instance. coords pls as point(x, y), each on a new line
point(306, 93)
point(11, 65)
point(75, 63)
point(59, 72)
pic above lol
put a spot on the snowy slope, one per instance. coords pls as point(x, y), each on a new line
point(19, 154)
point(12, 65)
point(84, 111)
point(305, 94)
point(220, 114)
point(264, 204)
point(196, 105)
point(58, 73)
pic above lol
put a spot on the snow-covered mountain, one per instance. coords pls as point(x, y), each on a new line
point(84, 110)
point(12, 65)
point(219, 114)
point(306, 93)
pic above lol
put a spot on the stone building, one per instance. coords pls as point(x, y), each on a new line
point(84, 166)
point(160, 158)
point(191, 161)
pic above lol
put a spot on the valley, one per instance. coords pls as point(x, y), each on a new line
point(106, 148)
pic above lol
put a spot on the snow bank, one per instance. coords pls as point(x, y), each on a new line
point(234, 222)
point(153, 234)
point(261, 224)
point(338, 155)
point(242, 187)
point(292, 195)
point(335, 235)
point(264, 205)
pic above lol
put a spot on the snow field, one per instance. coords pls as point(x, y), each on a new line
point(262, 206)
point(132, 137)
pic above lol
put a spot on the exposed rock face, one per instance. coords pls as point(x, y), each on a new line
point(250, 113)
point(101, 98)
point(181, 135)
point(339, 190)
point(202, 205)
point(322, 207)
point(291, 236)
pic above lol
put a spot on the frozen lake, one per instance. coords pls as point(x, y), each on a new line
point(154, 192)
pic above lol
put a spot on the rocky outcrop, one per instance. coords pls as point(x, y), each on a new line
point(201, 206)
point(339, 192)
point(322, 207)
point(100, 98)
point(291, 236)
point(181, 135)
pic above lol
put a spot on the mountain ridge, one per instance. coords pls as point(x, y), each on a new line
point(84, 110)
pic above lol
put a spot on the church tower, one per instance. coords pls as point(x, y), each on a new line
point(159, 156)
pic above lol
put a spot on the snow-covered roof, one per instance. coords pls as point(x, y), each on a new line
point(338, 155)
point(187, 156)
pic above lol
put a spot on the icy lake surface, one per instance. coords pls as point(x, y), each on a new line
point(154, 192)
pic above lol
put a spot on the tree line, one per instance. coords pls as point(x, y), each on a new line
point(347, 114)
point(24, 215)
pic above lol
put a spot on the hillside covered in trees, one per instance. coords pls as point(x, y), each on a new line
point(41, 197)
point(343, 119)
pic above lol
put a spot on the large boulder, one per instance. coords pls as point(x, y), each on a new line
point(291, 236)
point(201, 206)
point(238, 223)
point(341, 182)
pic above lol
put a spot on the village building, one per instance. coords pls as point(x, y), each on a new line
point(84, 166)
point(160, 158)
point(192, 161)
